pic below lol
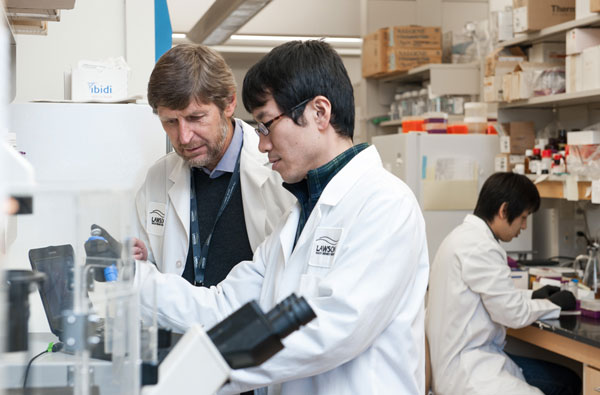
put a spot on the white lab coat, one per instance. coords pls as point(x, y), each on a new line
point(471, 300)
point(368, 337)
point(167, 189)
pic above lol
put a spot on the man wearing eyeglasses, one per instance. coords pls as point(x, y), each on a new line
point(209, 204)
point(354, 244)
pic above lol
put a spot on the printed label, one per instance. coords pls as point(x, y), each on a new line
point(156, 218)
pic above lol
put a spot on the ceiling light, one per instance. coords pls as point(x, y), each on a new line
point(224, 18)
point(331, 40)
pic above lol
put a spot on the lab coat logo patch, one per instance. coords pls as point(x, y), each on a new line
point(156, 218)
point(325, 246)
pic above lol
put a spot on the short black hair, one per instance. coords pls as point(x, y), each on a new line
point(301, 70)
point(516, 190)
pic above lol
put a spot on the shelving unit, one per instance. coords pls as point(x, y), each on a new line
point(446, 79)
point(553, 187)
point(552, 33)
point(556, 101)
point(395, 122)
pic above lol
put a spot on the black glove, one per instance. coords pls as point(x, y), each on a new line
point(564, 299)
point(545, 292)
point(101, 252)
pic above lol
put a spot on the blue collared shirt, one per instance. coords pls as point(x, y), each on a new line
point(227, 162)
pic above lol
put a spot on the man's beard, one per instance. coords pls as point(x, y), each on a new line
point(214, 151)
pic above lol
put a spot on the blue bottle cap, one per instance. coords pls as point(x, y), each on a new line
point(111, 273)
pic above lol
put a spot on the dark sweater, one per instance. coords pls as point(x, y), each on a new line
point(229, 244)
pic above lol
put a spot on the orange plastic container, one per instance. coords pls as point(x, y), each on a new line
point(410, 124)
point(458, 129)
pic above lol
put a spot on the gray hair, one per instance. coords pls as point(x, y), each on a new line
point(190, 72)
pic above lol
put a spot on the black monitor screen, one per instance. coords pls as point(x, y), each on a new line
point(57, 291)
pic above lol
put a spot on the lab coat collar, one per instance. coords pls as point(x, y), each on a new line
point(179, 192)
point(481, 224)
point(339, 185)
point(333, 193)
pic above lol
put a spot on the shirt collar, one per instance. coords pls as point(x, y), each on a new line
point(227, 162)
point(316, 180)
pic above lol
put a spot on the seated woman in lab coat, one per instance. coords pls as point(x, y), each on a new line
point(472, 299)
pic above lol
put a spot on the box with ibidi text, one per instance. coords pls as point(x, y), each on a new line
point(100, 81)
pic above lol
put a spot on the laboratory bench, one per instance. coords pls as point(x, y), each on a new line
point(51, 370)
point(573, 336)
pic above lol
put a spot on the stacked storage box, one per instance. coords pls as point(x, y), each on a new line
point(395, 49)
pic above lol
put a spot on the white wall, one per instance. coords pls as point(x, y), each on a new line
point(93, 30)
point(449, 14)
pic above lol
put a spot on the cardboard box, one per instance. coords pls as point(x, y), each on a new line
point(511, 55)
point(547, 53)
point(507, 162)
point(98, 84)
point(532, 15)
point(574, 73)
point(503, 20)
point(523, 78)
point(374, 53)
point(492, 89)
point(506, 87)
point(591, 68)
point(595, 5)
point(522, 136)
point(401, 59)
point(581, 38)
point(421, 37)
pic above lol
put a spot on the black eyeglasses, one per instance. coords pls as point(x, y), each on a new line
point(263, 128)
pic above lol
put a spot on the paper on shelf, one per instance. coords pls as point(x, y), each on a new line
point(454, 169)
point(571, 192)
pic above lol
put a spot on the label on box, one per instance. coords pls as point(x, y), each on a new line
point(520, 20)
point(596, 191)
point(98, 84)
point(501, 163)
point(505, 144)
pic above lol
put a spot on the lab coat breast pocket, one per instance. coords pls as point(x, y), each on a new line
point(322, 258)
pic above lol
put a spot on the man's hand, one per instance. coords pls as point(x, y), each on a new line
point(139, 251)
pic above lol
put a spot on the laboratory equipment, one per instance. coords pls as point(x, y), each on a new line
point(445, 172)
point(246, 338)
point(591, 274)
point(92, 318)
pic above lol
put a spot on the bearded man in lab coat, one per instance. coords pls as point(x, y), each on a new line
point(472, 299)
point(214, 191)
point(353, 245)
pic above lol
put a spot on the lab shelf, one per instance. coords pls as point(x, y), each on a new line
point(556, 101)
point(446, 79)
point(552, 33)
point(395, 122)
point(553, 187)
